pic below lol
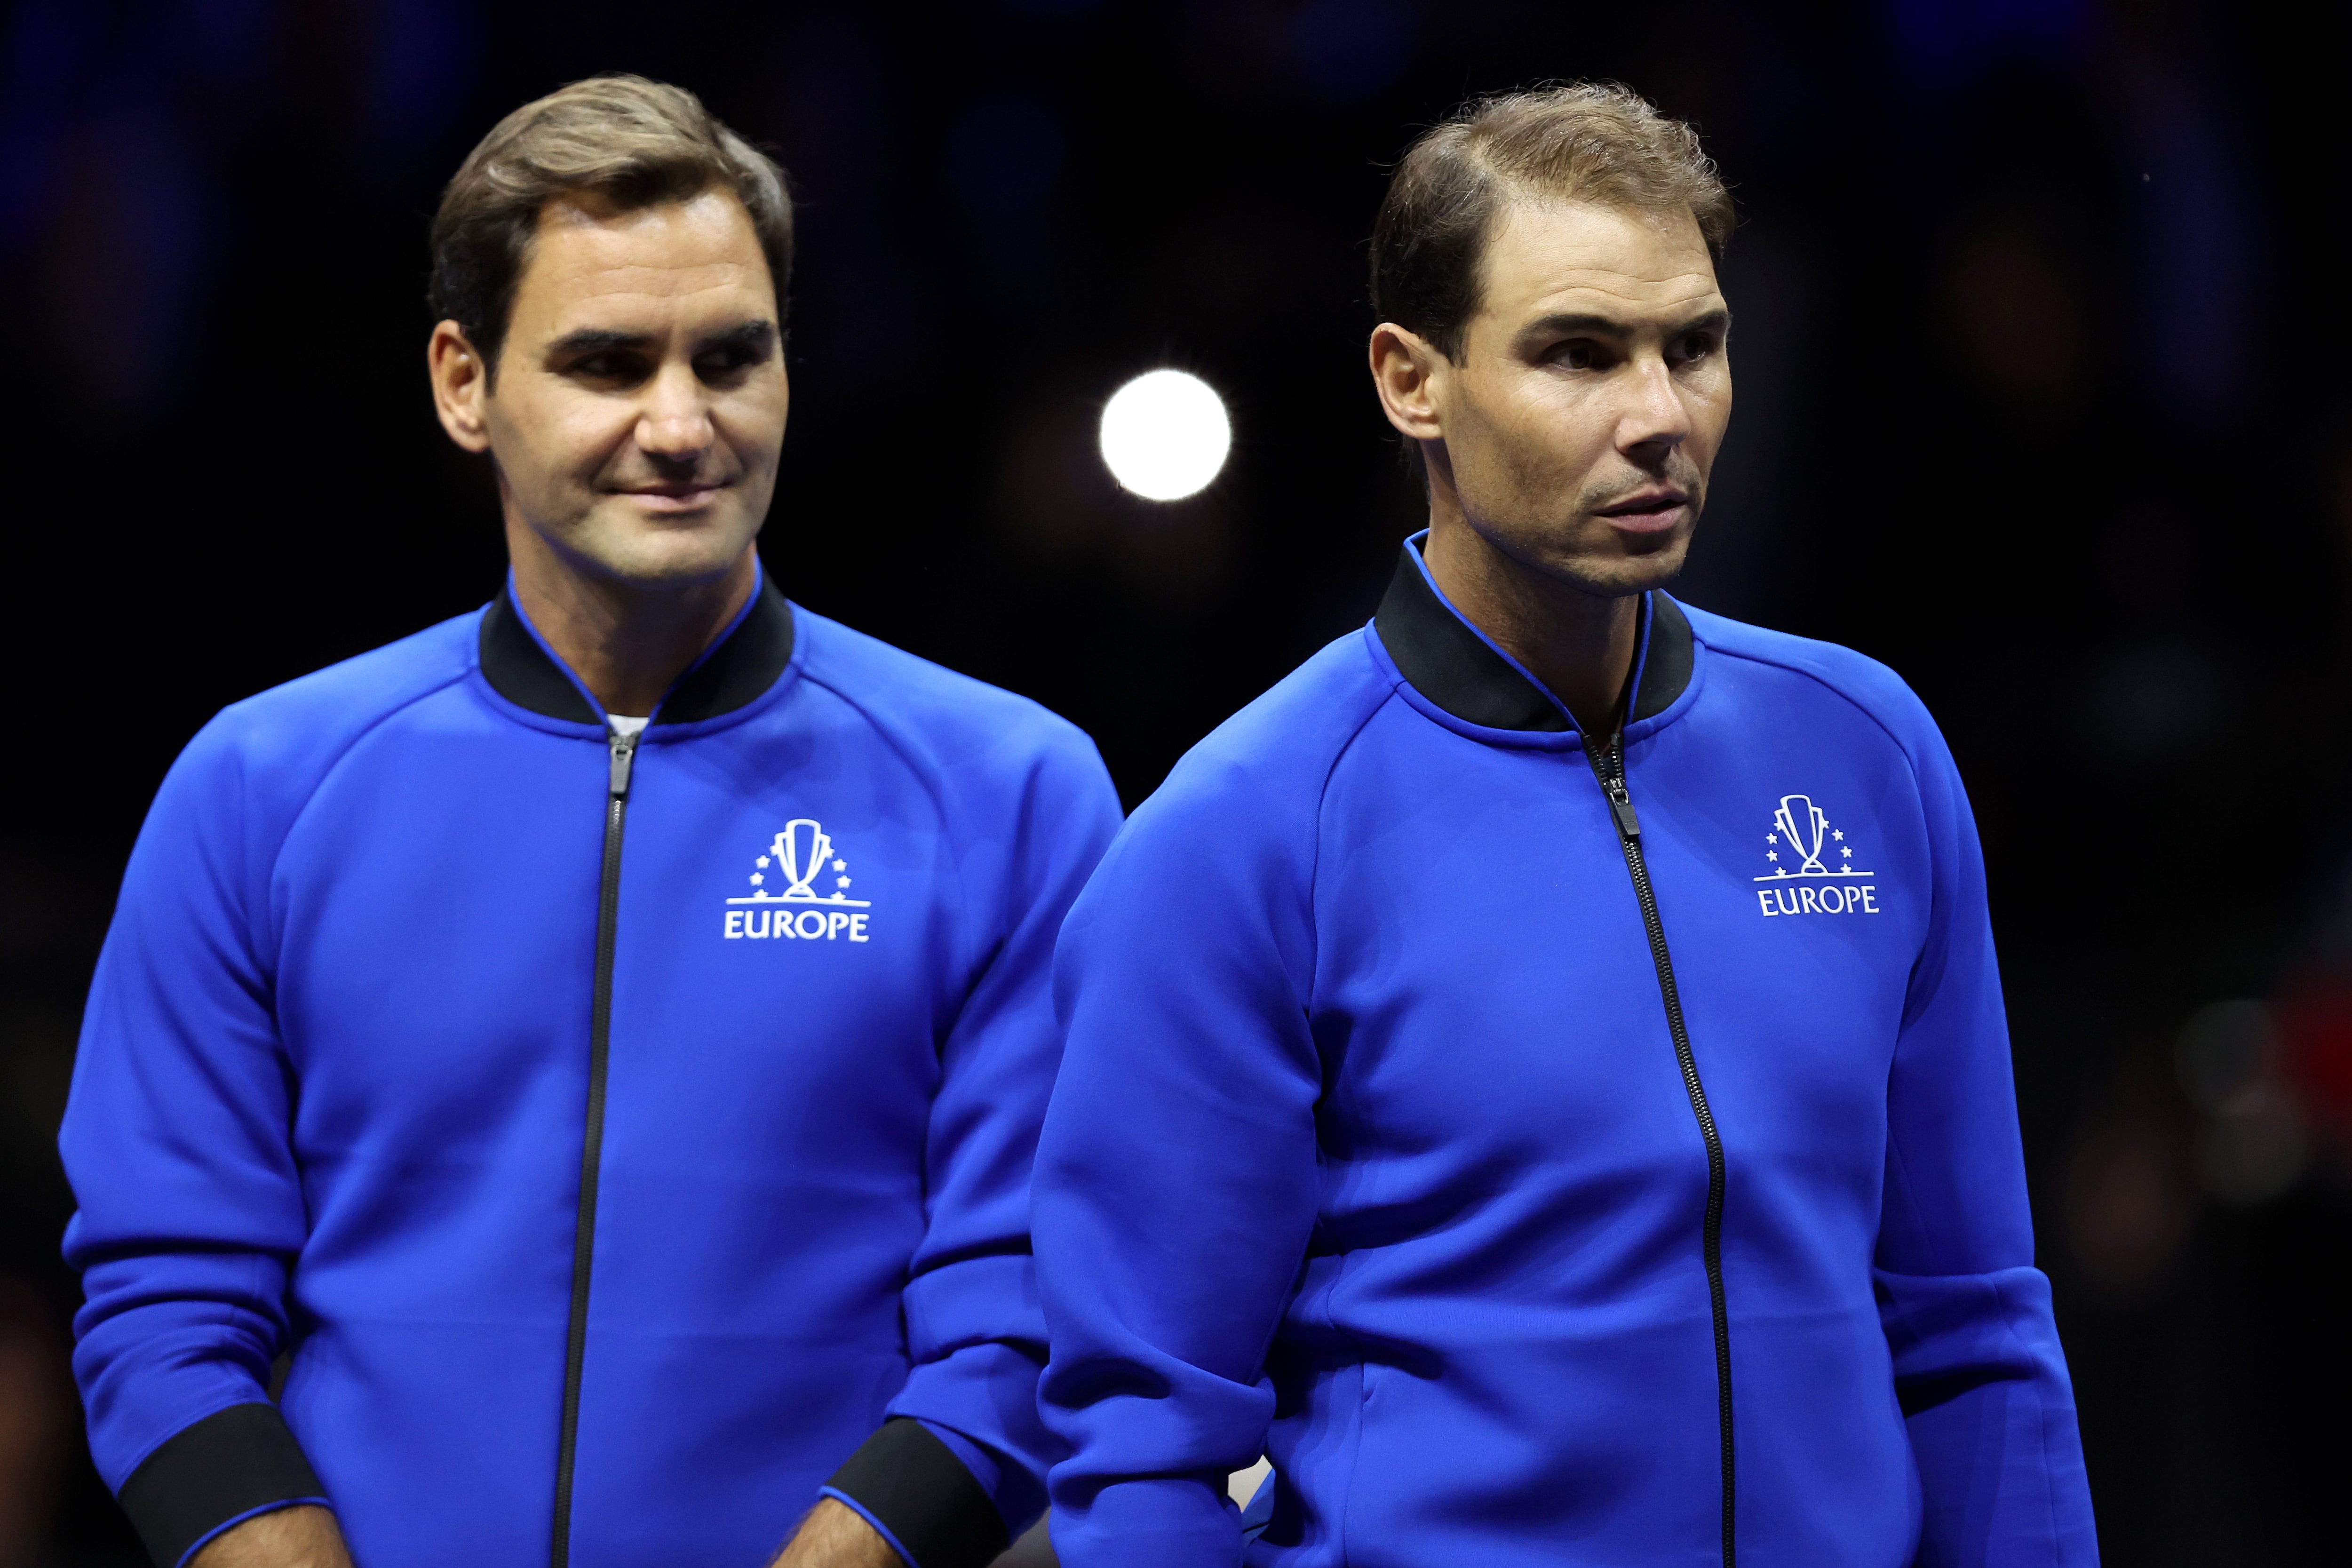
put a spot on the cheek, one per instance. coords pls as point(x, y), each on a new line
point(545, 440)
point(579, 435)
point(1553, 434)
point(753, 422)
point(1710, 414)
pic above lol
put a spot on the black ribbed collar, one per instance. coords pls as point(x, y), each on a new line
point(1455, 668)
point(743, 665)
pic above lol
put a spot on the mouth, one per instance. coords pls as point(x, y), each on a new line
point(677, 496)
point(1651, 511)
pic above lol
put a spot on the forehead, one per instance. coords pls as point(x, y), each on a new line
point(1545, 256)
point(589, 258)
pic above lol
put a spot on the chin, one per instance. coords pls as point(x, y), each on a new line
point(1611, 574)
point(1656, 569)
point(681, 549)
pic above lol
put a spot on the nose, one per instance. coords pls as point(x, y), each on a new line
point(1655, 419)
point(674, 424)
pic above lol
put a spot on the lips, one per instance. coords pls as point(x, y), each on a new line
point(1663, 498)
point(1648, 511)
point(674, 497)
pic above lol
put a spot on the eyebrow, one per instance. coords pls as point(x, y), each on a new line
point(596, 340)
point(749, 335)
point(1570, 323)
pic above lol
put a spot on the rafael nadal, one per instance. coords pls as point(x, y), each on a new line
point(1574, 1014)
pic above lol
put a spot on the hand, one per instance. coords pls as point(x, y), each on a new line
point(303, 1536)
point(833, 1536)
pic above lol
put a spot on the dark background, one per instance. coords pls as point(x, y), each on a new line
point(2036, 405)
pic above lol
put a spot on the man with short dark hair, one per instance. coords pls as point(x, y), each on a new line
point(1540, 1072)
point(598, 1041)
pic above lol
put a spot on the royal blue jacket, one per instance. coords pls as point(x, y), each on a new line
point(614, 1138)
point(1547, 1167)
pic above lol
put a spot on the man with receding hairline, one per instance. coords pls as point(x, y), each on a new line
point(596, 1042)
point(1539, 1073)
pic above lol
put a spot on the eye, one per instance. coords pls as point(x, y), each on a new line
point(1693, 347)
point(608, 366)
point(1577, 353)
point(722, 364)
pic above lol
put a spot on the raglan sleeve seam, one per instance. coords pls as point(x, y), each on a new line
point(972, 957)
point(1315, 840)
point(329, 767)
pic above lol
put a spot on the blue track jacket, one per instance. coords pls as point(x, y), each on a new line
point(1539, 1178)
point(614, 1137)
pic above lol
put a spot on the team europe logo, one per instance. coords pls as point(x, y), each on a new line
point(1801, 881)
point(784, 902)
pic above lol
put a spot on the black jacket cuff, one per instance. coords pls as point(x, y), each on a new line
point(239, 1461)
point(915, 1488)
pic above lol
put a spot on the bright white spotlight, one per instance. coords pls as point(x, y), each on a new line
point(1165, 435)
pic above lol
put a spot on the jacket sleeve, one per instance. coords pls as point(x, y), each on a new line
point(960, 1467)
point(1978, 1368)
point(177, 1142)
point(1178, 1179)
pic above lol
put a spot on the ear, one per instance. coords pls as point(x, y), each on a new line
point(1406, 369)
point(461, 385)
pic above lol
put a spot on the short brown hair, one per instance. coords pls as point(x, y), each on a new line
point(632, 141)
point(1586, 140)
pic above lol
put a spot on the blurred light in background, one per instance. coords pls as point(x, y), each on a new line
point(2253, 1145)
point(1165, 435)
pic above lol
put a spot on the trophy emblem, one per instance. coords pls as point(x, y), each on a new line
point(802, 848)
point(1806, 841)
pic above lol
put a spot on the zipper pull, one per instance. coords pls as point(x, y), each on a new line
point(1621, 806)
point(624, 751)
point(1621, 800)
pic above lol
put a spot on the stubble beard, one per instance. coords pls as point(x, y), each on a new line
point(1577, 547)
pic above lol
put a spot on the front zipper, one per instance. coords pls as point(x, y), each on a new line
point(1609, 769)
point(583, 1235)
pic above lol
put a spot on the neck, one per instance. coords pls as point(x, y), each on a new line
point(627, 642)
point(1578, 644)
